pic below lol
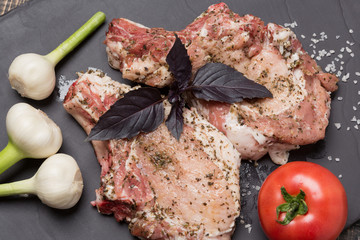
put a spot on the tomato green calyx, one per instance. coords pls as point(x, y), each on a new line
point(295, 205)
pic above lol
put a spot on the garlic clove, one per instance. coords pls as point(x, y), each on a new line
point(58, 182)
point(33, 76)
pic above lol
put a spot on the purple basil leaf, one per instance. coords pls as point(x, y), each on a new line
point(179, 64)
point(175, 120)
point(174, 92)
point(219, 82)
point(138, 111)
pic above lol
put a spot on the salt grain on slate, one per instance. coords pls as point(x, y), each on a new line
point(248, 226)
point(345, 77)
point(292, 25)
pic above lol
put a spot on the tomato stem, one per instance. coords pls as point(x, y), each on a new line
point(295, 205)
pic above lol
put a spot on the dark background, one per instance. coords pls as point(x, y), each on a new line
point(39, 26)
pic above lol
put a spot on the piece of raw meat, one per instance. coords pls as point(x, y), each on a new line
point(268, 54)
point(164, 188)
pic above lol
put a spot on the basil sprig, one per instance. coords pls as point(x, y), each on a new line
point(142, 110)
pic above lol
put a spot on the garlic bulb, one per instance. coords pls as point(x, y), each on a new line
point(32, 134)
point(32, 131)
point(33, 76)
point(58, 183)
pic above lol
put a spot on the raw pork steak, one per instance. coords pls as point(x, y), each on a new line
point(268, 54)
point(164, 188)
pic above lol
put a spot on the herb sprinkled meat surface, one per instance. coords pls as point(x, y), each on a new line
point(267, 54)
point(164, 188)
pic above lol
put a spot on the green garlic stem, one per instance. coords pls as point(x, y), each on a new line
point(9, 156)
point(19, 187)
point(76, 38)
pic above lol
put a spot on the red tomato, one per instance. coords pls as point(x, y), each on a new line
point(325, 198)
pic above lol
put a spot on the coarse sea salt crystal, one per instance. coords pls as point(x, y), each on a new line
point(329, 158)
point(314, 40)
point(337, 159)
point(292, 25)
point(337, 125)
point(351, 31)
point(63, 86)
point(340, 98)
point(330, 67)
point(345, 77)
point(340, 175)
point(322, 52)
point(248, 226)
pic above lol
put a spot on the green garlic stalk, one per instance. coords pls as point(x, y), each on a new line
point(58, 183)
point(33, 75)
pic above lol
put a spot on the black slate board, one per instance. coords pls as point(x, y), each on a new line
point(40, 25)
